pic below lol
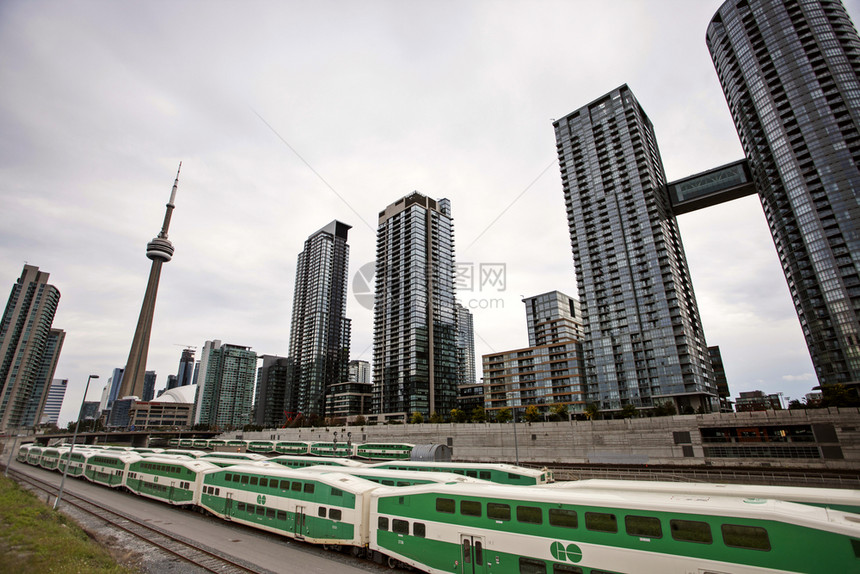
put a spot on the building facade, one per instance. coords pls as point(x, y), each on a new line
point(415, 326)
point(54, 402)
point(644, 344)
point(320, 330)
point(185, 375)
point(797, 117)
point(25, 331)
point(273, 399)
point(227, 392)
point(349, 400)
point(465, 346)
point(552, 317)
point(148, 386)
point(45, 379)
point(720, 379)
point(758, 401)
point(359, 371)
point(114, 382)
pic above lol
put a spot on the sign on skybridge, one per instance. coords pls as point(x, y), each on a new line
point(711, 187)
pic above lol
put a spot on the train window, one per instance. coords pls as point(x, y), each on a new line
point(513, 476)
point(309, 488)
point(217, 491)
point(253, 481)
point(532, 566)
point(445, 505)
point(470, 508)
point(382, 524)
point(484, 474)
point(472, 473)
point(566, 569)
point(261, 510)
point(643, 526)
point(281, 515)
point(336, 491)
point(244, 480)
point(270, 513)
point(321, 512)
point(399, 483)
point(690, 531)
point(240, 506)
point(388, 482)
point(529, 514)
point(228, 477)
point(563, 517)
point(418, 529)
point(601, 522)
point(265, 482)
point(334, 513)
point(399, 526)
point(297, 486)
point(751, 537)
point(498, 511)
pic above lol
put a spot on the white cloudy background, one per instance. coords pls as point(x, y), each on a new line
point(99, 101)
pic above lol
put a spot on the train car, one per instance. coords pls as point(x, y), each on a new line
point(388, 477)
point(305, 461)
point(51, 457)
point(294, 448)
point(493, 472)
point(186, 452)
point(186, 443)
point(321, 508)
point(109, 468)
point(846, 500)
point(166, 455)
point(238, 456)
point(167, 479)
point(510, 530)
point(217, 443)
point(201, 443)
point(34, 455)
point(261, 446)
point(384, 451)
point(147, 450)
point(331, 449)
point(224, 462)
point(174, 442)
point(114, 447)
point(238, 445)
point(21, 455)
point(78, 461)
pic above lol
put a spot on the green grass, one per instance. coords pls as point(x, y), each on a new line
point(34, 538)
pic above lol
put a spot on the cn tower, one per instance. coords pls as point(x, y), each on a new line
point(160, 250)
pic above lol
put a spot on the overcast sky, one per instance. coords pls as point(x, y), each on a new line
point(287, 115)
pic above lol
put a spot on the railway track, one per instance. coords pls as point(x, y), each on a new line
point(206, 559)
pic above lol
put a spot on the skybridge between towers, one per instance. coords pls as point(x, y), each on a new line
point(712, 187)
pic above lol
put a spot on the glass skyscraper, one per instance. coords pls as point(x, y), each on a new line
point(37, 404)
point(320, 331)
point(415, 326)
point(225, 393)
point(25, 331)
point(790, 71)
point(644, 343)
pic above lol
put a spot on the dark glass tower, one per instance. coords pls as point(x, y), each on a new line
point(320, 331)
point(415, 326)
point(790, 71)
point(644, 342)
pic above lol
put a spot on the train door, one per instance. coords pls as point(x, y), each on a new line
point(299, 523)
point(228, 506)
point(472, 554)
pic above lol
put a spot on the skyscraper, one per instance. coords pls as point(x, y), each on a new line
point(114, 382)
point(359, 371)
point(186, 367)
point(465, 346)
point(25, 332)
point(160, 251)
point(44, 379)
point(148, 386)
point(320, 331)
point(644, 342)
point(54, 402)
point(415, 329)
point(272, 398)
point(225, 392)
point(790, 72)
point(553, 317)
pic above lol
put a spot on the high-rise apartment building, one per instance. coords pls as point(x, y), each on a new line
point(320, 331)
point(359, 371)
point(148, 386)
point(185, 374)
point(226, 388)
point(45, 378)
point(720, 379)
point(644, 342)
point(114, 382)
point(25, 331)
point(552, 317)
point(54, 402)
point(790, 71)
point(415, 326)
point(465, 346)
point(273, 401)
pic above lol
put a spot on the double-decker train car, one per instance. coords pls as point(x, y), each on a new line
point(34, 454)
point(200, 443)
point(21, 455)
point(492, 472)
point(304, 461)
point(174, 442)
point(51, 457)
point(217, 443)
point(511, 530)
point(109, 468)
point(185, 451)
point(237, 445)
point(846, 500)
point(384, 451)
point(388, 477)
point(237, 456)
point(261, 446)
point(321, 508)
point(167, 479)
point(295, 448)
point(331, 449)
point(74, 460)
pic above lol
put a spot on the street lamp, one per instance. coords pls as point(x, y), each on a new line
point(74, 439)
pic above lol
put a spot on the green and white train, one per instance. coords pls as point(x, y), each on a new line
point(167, 479)
point(493, 472)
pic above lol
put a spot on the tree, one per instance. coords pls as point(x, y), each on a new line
point(839, 396)
point(359, 421)
point(435, 418)
point(628, 411)
point(479, 415)
point(665, 409)
point(417, 418)
point(795, 404)
point(532, 414)
point(592, 410)
point(559, 412)
point(504, 415)
point(458, 416)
